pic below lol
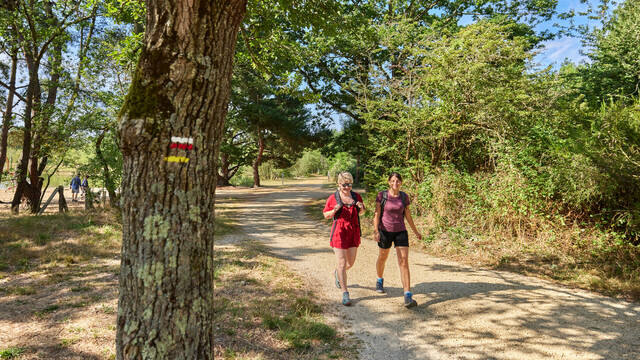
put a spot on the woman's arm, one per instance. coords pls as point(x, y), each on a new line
point(329, 214)
point(360, 204)
point(407, 214)
point(376, 222)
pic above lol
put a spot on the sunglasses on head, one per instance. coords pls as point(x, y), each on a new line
point(346, 185)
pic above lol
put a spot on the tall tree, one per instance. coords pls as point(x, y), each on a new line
point(272, 114)
point(44, 32)
point(334, 60)
point(170, 128)
point(614, 70)
point(8, 112)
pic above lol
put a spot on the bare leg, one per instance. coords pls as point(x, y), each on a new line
point(383, 254)
point(345, 259)
point(403, 263)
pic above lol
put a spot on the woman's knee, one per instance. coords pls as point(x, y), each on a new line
point(342, 264)
point(383, 255)
point(403, 261)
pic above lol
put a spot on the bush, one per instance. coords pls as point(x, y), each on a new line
point(340, 162)
point(311, 162)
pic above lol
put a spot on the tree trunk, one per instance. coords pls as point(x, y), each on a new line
point(44, 114)
point(8, 113)
point(170, 128)
point(33, 91)
point(223, 176)
point(108, 181)
point(258, 161)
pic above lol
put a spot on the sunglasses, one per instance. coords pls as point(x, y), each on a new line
point(346, 185)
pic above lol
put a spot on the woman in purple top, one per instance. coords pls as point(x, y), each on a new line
point(392, 207)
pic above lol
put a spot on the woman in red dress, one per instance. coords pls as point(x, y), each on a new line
point(344, 206)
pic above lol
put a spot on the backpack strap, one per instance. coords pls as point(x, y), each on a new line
point(382, 204)
point(405, 200)
point(339, 201)
point(354, 195)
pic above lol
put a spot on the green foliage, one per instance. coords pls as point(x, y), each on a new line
point(270, 171)
point(478, 134)
point(615, 56)
point(312, 162)
point(11, 352)
point(453, 98)
point(244, 177)
point(340, 162)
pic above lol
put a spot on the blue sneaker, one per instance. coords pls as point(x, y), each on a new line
point(379, 287)
point(335, 275)
point(345, 299)
point(408, 301)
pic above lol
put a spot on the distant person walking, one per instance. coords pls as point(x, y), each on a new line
point(75, 187)
point(392, 207)
point(344, 206)
point(85, 185)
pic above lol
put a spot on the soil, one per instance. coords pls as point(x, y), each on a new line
point(462, 312)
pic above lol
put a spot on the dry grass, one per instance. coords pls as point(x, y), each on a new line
point(265, 312)
point(573, 255)
point(59, 286)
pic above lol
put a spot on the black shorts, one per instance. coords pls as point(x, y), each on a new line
point(400, 238)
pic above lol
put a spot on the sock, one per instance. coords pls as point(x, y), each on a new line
point(380, 279)
point(407, 293)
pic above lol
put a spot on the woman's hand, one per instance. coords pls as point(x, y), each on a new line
point(376, 235)
point(360, 205)
point(419, 236)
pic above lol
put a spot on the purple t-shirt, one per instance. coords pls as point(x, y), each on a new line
point(393, 217)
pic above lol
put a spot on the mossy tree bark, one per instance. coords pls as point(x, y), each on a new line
point(181, 89)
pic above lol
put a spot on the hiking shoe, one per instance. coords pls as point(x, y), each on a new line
point(345, 299)
point(379, 287)
point(335, 276)
point(408, 301)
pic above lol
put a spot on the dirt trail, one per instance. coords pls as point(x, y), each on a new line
point(462, 313)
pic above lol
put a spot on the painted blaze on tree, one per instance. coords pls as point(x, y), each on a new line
point(180, 91)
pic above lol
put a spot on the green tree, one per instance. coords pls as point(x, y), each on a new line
point(614, 70)
point(336, 59)
point(458, 98)
point(312, 162)
point(42, 31)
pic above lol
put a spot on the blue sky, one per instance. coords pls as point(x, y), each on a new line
point(557, 50)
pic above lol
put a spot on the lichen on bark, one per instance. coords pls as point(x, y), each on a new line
point(156, 228)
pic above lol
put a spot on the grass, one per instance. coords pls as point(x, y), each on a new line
point(223, 225)
point(570, 254)
point(58, 273)
point(36, 242)
point(262, 310)
point(11, 352)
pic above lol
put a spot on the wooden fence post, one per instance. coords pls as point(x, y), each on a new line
point(62, 202)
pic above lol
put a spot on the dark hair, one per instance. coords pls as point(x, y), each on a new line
point(396, 175)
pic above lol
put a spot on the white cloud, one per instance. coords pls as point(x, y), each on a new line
point(556, 51)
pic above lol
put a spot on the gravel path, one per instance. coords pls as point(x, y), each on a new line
point(462, 312)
